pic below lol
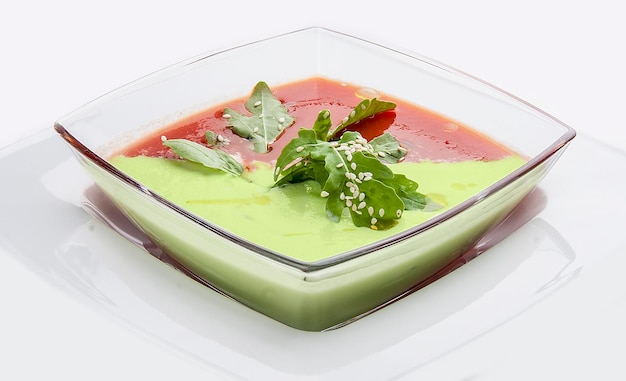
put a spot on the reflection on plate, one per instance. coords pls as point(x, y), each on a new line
point(85, 257)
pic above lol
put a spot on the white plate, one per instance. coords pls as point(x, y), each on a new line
point(558, 233)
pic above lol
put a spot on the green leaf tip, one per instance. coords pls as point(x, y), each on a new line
point(268, 119)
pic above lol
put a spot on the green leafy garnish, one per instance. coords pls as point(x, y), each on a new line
point(268, 120)
point(350, 170)
point(211, 158)
point(365, 109)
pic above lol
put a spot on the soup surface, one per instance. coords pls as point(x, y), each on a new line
point(449, 161)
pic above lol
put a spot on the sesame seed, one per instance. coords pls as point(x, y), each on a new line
point(281, 120)
point(349, 184)
point(373, 221)
point(300, 149)
point(381, 212)
point(339, 165)
point(277, 171)
point(362, 205)
point(324, 194)
point(353, 166)
point(382, 154)
point(326, 114)
point(370, 210)
point(226, 116)
point(352, 114)
point(358, 212)
point(163, 138)
point(344, 120)
point(257, 103)
point(261, 116)
point(362, 197)
point(342, 196)
point(334, 144)
point(255, 130)
point(220, 138)
point(354, 208)
point(348, 203)
point(363, 107)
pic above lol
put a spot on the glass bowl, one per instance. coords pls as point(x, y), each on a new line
point(332, 292)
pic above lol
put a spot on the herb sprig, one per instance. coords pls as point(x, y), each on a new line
point(350, 171)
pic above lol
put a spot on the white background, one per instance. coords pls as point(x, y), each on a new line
point(565, 57)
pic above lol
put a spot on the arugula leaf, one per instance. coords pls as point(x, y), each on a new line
point(351, 176)
point(211, 158)
point(365, 109)
point(214, 139)
point(268, 120)
point(387, 148)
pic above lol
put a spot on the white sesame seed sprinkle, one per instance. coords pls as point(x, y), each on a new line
point(255, 130)
point(353, 166)
point(373, 221)
point(163, 138)
point(381, 212)
point(257, 103)
point(361, 196)
point(342, 196)
point(362, 205)
point(382, 154)
point(370, 210)
point(324, 194)
point(300, 149)
point(352, 114)
point(344, 120)
point(348, 203)
point(281, 120)
point(339, 165)
point(226, 116)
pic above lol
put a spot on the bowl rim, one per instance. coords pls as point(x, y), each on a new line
point(558, 145)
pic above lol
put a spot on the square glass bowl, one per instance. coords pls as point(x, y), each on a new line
point(332, 292)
